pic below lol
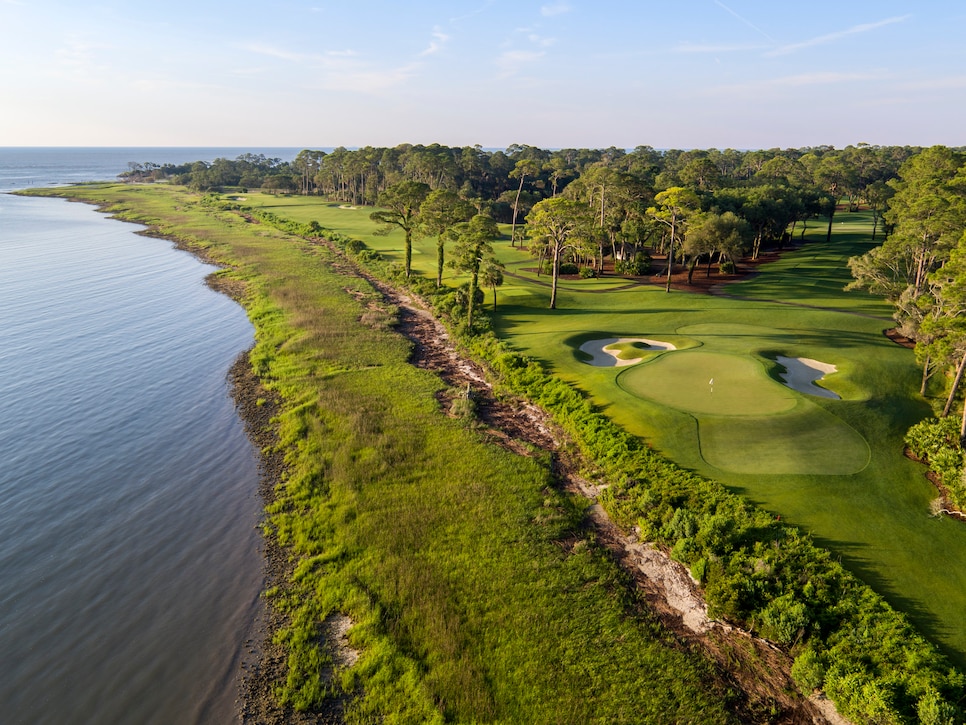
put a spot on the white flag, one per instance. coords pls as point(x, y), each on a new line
point(711, 382)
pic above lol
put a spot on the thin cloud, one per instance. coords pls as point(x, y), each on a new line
point(328, 59)
point(832, 37)
point(794, 81)
point(933, 84)
point(369, 81)
point(436, 44)
point(511, 62)
point(697, 48)
point(548, 11)
point(342, 70)
point(541, 41)
point(745, 21)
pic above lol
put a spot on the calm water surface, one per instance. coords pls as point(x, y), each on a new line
point(130, 565)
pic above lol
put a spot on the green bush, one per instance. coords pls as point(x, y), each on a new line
point(638, 265)
point(936, 441)
point(354, 246)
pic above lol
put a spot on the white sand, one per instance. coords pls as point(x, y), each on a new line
point(605, 357)
point(802, 372)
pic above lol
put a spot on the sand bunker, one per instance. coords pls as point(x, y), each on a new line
point(604, 355)
point(802, 372)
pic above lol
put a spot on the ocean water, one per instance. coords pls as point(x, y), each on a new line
point(131, 565)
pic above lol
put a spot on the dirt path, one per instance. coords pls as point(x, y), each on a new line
point(756, 667)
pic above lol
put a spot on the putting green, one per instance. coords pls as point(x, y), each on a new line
point(808, 441)
point(747, 422)
point(683, 381)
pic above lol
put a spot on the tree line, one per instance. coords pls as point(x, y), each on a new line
point(586, 211)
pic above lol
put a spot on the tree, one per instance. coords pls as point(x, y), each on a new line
point(945, 328)
point(672, 208)
point(555, 225)
point(401, 204)
point(472, 251)
point(833, 174)
point(523, 168)
point(877, 196)
point(306, 164)
point(491, 275)
point(726, 234)
point(439, 212)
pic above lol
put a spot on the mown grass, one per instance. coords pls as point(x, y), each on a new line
point(451, 556)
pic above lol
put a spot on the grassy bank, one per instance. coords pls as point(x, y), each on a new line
point(449, 555)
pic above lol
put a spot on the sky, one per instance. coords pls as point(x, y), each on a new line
point(741, 74)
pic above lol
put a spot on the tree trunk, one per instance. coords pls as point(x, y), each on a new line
point(831, 215)
point(439, 261)
point(409, 250)
point(555, 271)
point(670, 257)
point(925, 376)
point(474, 280)
point(956, 381)
point(516, 205)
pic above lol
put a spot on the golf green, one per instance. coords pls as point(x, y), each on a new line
point(709, 383)
point(747, 422)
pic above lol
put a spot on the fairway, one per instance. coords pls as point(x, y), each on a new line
point(709, 383)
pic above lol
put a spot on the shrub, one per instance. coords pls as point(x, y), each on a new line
point(588, 272)
point(726, 267)
point(638, 265)
point(354, 246)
